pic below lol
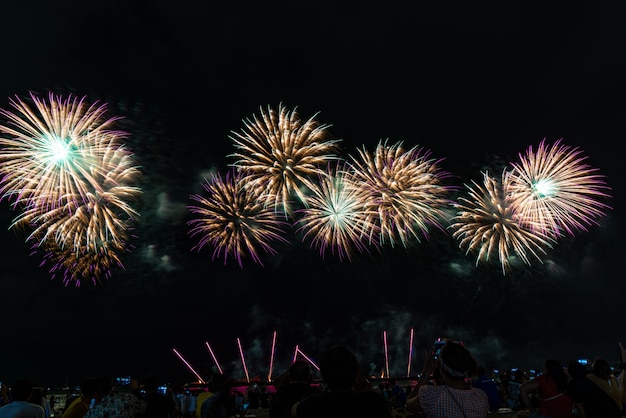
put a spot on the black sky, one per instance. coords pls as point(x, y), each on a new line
point(474, 83)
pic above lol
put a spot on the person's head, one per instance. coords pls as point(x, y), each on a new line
point(299, 372)
point(220, 382)
point(104, 387)
point(22, 390)
point(339, 368)
point(151, 383)
point(601, 368)
point(457, 362)
point(89, 387)
point(555, 370)
point(37, 396)
point(576, 369)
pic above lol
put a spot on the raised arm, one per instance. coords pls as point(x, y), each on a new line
point(412, 401)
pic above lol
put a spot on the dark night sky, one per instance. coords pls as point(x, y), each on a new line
point(473, 83)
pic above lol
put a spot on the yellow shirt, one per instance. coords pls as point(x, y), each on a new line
point(77, 409)
point(609, 386)
point(202, 396)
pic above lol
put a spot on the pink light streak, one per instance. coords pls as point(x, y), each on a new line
point(269, 375)
point(408, 370)
point(306, 358)
point(214, 358)
point(386, 353)
point(188, 365)
point(295, 353)
point(243, 360)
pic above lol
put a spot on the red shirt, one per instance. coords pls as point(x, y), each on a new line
point(552, 402)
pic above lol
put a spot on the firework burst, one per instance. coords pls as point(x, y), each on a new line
point(406, 191)
point(281, 154)
point(335, 217)
point(555, 191)
point(487, 225)
point(104, 214)
point(74, 181)
point(234, 220)
point(50, 153)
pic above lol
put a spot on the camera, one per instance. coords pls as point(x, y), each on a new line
point(437, 346)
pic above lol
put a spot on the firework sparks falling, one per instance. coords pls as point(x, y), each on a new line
point(234, 220)
point(335, 217)
point(555, 191)
point(486, 224)
point(85, 264)
point(407, 194)
point(281, 153)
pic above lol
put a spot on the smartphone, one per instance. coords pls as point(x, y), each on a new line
point(437, 346)
point(163, 390)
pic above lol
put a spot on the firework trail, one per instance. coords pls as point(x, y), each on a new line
point(555, 191)
point(486, 224)
point(281, 153)
point(407, 194)
point(234, 220)
point(50, 153)
point(335, 216)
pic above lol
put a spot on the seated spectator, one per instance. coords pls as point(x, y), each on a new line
point(157, 405)
point(602, 398)
point(202, 396)
point(341, 372)
point(19, 407)
point(222, 403)
point(397, 396)
point(39, 398)
point(551, 388)
point(291, 387)
point(490, 387)
point(450, 392)
point(116, 404)
point(80, 405)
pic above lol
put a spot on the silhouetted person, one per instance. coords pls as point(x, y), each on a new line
point(157, 404)
point(222, 403)
point(487, 384)
point(79, 406)
point(39, 398)
point(444, 389)
point(596, 393)
point(551, 388)
point(20, 407)
point(291, 387)
point(341, 372)
point(112, 404)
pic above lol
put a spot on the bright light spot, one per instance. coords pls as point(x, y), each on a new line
point(58, 150)
point(545, 188)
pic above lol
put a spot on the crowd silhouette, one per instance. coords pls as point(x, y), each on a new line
point(452, 384)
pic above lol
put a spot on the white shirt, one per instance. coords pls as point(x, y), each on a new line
point(22, 409)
